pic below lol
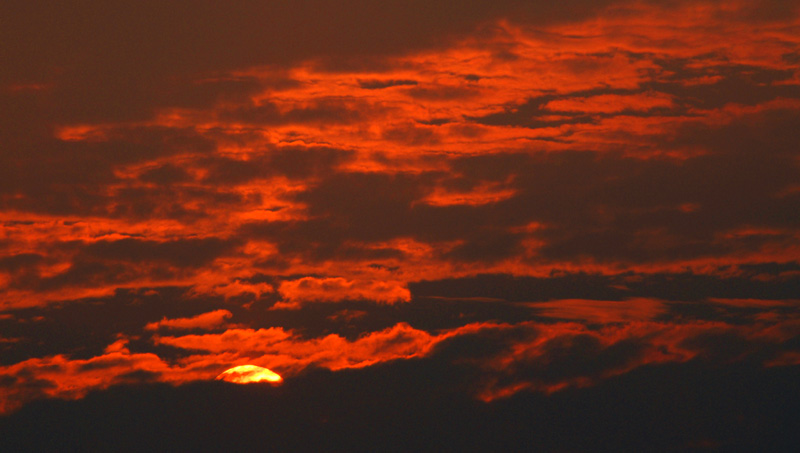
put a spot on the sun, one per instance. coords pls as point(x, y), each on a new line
point(245, 374)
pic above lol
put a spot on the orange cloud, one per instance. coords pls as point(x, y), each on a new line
point(481, 195)
point(283, 351)
point(610, 103)
point(636, 129)
point(567, 355)
point(620, 84)
point(234, 289)
point(789, 358)
point(336, 289)
point(61, 377)
point(274, 348)
point(526, 356)
point(208, 320)
point(754, 303)
point(600, 311)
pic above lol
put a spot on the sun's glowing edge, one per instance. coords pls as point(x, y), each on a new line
point(246, 374)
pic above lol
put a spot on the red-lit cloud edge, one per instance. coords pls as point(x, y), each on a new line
point(421, 132)
point(611, 337)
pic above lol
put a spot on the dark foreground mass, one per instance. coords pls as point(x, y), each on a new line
point(422, 405)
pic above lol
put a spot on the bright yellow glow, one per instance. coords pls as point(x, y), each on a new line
point(246, 374)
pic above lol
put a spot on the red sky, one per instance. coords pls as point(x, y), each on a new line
point(578, 190)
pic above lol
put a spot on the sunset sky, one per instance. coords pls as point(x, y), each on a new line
point(505, 225)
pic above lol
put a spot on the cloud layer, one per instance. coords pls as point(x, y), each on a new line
point(546, 197)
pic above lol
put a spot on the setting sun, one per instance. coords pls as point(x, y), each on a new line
point(246, 374)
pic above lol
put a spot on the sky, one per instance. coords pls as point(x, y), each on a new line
point(528, 225)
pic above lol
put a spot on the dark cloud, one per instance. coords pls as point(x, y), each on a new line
point(487, 246)
point(126, 260)
point(184, 253)
point(290, 162)
point(686, 287)
point(380, 84)
point(607, 206)
point(571, 356)
point(187, 204)
point(166, 175)
point(412, 134)
point(532, 112)
point(330, 111)
point(15, 263)
point(83, 328)
point(122, 60)
point(703, 81)
point(73, 178)
point(369, 206)
point(73, 328)
point(726, 83)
